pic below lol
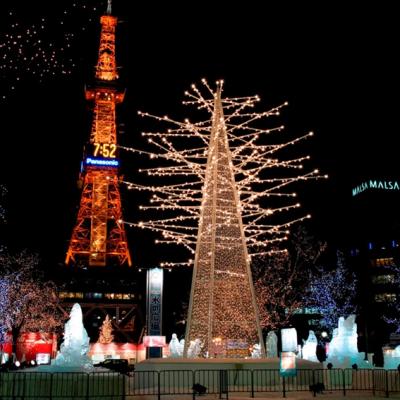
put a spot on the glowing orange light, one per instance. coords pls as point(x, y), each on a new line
point(99, 233)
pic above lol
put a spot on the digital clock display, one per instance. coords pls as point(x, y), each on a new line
point(101, 155)
point(106, 150)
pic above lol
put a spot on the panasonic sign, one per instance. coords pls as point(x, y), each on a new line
point(376, 185)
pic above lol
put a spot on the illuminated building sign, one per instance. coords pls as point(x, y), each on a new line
point(101, 162)
point(376, 184)
point(154, 341)
point(155, 279)
point(42, 358)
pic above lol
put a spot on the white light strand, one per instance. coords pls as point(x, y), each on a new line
point(260, 177)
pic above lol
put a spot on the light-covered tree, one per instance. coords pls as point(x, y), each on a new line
point(27, 303)
point(332, 293)
point(106, 329)
point(281, 278)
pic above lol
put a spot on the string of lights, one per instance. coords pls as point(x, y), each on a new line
point(183, 150)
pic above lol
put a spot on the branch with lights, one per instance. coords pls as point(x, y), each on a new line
point(262, 179)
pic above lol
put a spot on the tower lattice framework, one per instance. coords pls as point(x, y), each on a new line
point(222, 308)
point(99, 237)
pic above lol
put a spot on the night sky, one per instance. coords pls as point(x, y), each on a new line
point(337, 67)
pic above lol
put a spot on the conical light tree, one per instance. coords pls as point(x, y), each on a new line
point(217, 208)
point(106, 329)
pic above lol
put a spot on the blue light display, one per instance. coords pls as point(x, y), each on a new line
point(101, 162)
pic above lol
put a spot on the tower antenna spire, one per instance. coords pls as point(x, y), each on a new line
point(109, 7)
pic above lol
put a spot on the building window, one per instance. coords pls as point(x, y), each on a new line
point(91, 295)
point(119, 296)
point(354, 252)
point(305, 310)
point(382, 279)
point(70, 295)
point(383, 262)
point(385, 298)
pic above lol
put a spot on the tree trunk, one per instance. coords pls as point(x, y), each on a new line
point(15, 331)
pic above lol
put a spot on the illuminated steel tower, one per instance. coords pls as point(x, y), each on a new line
point(99, 237)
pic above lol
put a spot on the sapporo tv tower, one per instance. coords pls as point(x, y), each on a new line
point(99, 238)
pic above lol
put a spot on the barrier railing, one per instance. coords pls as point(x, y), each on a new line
point(110, 385)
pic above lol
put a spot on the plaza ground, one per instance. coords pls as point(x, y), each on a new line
point(261, 396)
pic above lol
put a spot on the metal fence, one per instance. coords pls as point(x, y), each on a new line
point(21, 385)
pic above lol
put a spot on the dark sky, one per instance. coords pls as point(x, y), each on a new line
point(337, 67)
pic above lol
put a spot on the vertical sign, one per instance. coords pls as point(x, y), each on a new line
point(155, 280)
point(289, 339)
point(287, 366)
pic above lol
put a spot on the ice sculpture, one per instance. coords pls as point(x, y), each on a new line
point(343, 352)
point(175, 348)
point(182, 345)
point(256, 351)
point(310, 347)
point(391, 357)
point(75, 347)
point(194, 349)
point(272, 344)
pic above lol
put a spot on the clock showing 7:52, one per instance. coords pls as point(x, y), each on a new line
point(106, 150)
